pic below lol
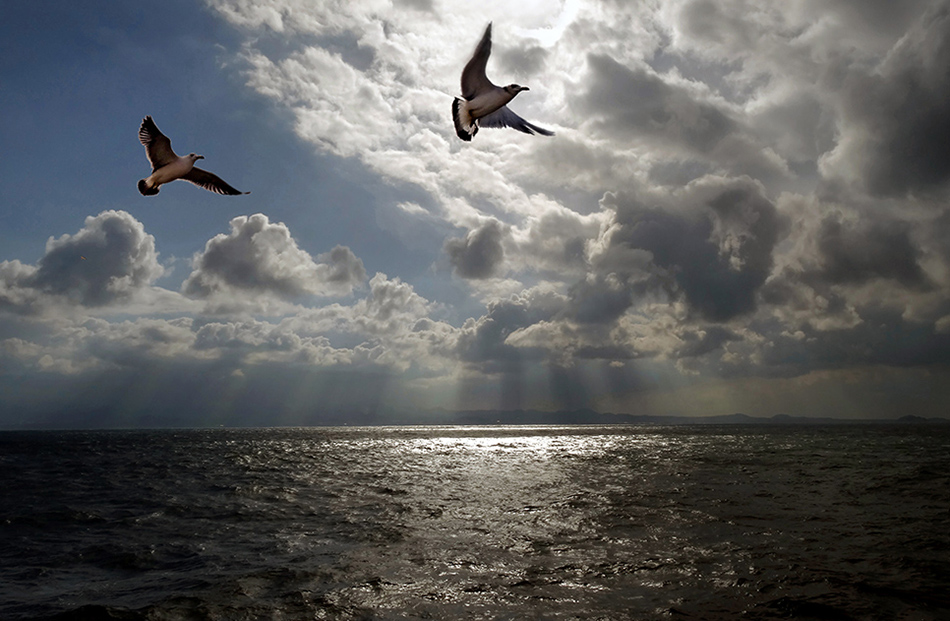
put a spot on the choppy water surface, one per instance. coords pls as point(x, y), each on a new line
point(477, 523)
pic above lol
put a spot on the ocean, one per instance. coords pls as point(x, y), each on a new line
point(538, 522)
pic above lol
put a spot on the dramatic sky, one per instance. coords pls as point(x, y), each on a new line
point(744, 209)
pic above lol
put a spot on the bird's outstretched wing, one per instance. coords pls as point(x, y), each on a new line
point(158, 148)
point(474, 79)
point(211, 181)
point(504, 117)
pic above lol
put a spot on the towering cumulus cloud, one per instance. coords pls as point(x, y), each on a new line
point(259, 258)
point(480, 253)
point(711, 247)
point(104, 263)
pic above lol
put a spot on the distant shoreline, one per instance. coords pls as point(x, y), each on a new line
point(394, 418)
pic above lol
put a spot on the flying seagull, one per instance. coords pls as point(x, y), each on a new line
point(483, 104)
point(166, 166)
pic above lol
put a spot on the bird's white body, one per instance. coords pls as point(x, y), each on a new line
point(487, 102)
point(467, 112)
point(172, 171)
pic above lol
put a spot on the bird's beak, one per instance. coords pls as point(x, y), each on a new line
point(201, 157)
point(525, 88)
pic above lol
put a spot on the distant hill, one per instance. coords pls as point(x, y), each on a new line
point(386, 416)
point(591, 417)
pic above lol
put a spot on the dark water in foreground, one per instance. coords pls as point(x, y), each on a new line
point(477, 523)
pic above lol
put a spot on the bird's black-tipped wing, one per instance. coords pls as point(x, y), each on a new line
point(504, 117)
point(473, 76)
point(211, 182)
point(158, 148)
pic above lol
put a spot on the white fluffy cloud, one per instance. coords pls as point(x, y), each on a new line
point(388, 328)
point(259, 259)
point(107, 262)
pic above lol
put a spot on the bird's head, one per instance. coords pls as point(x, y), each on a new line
point(514, 89)
point(195, 158)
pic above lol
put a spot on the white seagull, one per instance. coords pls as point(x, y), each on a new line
point(482, 104)
point(166, 166)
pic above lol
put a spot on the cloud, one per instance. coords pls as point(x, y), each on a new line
point(524, 60)
point(553, 240)
point(107, 262)
point(713, 246)
point(419, 5)
point(677, 118)
point(344, 269)
point(837, 263)
point(260, 258)
point(883, 337)
point(895, 118)
point(15, 293)
point(853, 253)
point(705, 341)
point(391, 304)
point(637, 102)
point(390, 329)
point(483, 341)
point(480, 253)
point(736, 192)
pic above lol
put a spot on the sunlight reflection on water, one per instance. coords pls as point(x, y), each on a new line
point(478, 522)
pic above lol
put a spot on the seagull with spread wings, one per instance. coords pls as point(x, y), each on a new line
point(167, 166)
point(483, 104)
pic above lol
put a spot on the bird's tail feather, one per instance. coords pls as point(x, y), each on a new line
point(145, 190)
point(465, 126)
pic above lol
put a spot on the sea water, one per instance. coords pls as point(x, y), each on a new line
point(578, 522)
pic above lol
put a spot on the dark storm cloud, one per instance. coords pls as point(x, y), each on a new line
point(600, 300)
point(884, 337)
point(482, 341)
point(419, 5)
point(677, 172)
point(939, 232)
point(719, 23)
point(706, 341)
point(858, 253)
point(674, 118)
point(878, 16)
point(896, 125)
point(479, 254)
point(637, 102)
point(818, 289)
point(107, 261)
point(556, 242)
point(261, 258)
point(716, 252)
point(524, 61)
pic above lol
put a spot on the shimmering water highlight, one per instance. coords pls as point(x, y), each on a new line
point(579, 522)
